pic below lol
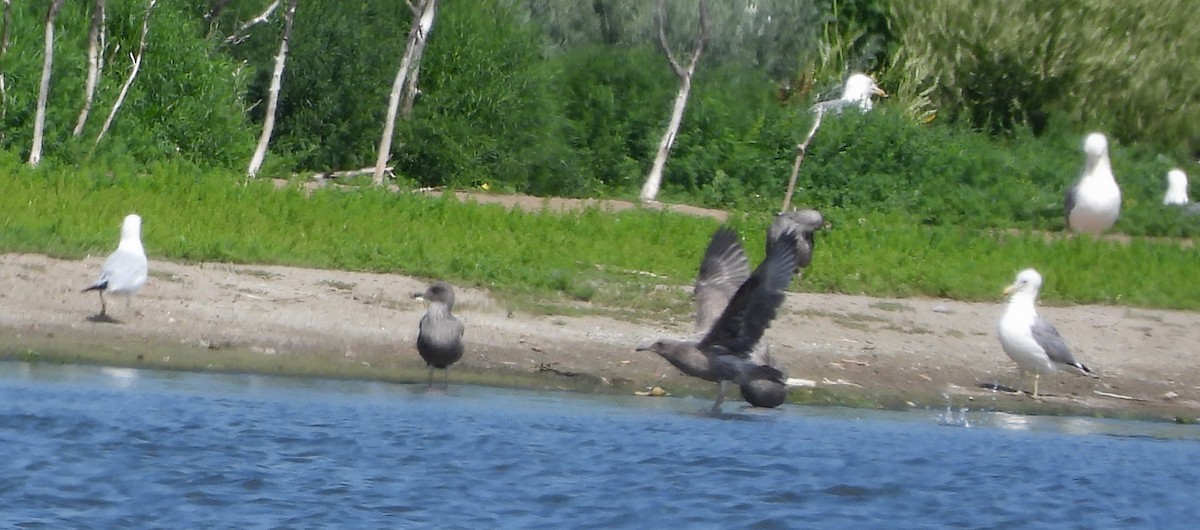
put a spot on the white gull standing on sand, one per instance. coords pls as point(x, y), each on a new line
point(1092, 205)
point(1029, 339)
point(125, 270)
point(857, 92)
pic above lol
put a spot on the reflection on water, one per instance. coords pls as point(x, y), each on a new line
point(102, 447)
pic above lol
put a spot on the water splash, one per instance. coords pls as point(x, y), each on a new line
point(949, 418)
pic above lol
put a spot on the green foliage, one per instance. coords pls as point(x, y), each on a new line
point(589, 255)
point(489, 111)
point(184, 102)
point(340, 68)
point(619, 97)
point(1113, 64)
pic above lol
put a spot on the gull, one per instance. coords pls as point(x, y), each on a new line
point(1177, 192)
point(1092, 205)
point(125, 270)
point(439, 340)
point(857, 92)
point(1029, 339)
point(765, 392)
point(1177, 188)
point(733, 310)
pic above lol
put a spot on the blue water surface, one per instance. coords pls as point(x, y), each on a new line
point(120, 448)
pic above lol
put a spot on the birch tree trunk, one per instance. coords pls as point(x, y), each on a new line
point(425, 8)
point(39, 120)
point(264, 139)
point(95, 45)
point(654, 179)
point(3, 60)
point(137, 65)
point(410, 84)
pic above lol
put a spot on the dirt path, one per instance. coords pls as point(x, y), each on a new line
point(880, 352)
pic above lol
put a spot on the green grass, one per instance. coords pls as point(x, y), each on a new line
point(584, 261)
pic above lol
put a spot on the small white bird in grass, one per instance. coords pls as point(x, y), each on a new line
point(1177, 188)
point(1028, 338)
point(857, 92)
point(1092, 205)
point(125, 270)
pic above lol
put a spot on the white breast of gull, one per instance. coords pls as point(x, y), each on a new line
point(1092, 205)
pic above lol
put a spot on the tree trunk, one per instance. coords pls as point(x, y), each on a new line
point(95, 45)
point(426, 9)
point(3, 60)
point(654, 178)
point(801, 150)
point(410, 84)
point(137, 65)
point(260, 152)
point(39, 120)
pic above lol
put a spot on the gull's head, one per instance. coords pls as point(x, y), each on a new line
point(859, 89)
point(131, 227)
point(1028, 282)
point(1177, 187)
point(437, 292)
point(1095, 145)
point(666, 348)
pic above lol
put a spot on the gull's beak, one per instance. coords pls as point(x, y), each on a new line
point(420, 295)
point(879, 92)
point(644, 347)
point(1008, 290)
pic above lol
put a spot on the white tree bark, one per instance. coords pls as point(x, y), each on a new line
point(39, 120)
point(95, 45)
point(654, 178)
point(240, 35)
point(264, 139)
point(4, 58)
point(137, 65)
point(410, 84)
point(426, 8)
point(801, 150)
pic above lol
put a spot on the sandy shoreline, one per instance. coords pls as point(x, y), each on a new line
point(894, 353)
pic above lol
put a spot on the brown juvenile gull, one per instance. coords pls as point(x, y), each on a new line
point(1092, 205)
point(733, 323)
point(440, 338)
point(125, 270)
point(1029, 339)
point(857, 92)
point(765, 392)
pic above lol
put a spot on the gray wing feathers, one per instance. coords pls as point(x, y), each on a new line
point(833, 105)
point(723, 269)
point(1069, 202)
point(755, 303)
point(440, 339)
point(122, 269)
point(1048, 338)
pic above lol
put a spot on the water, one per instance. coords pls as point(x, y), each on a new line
point(118, 448)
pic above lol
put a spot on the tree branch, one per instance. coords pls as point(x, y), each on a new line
point(137, 65)
point(240, 36)
point(801, 150)
point(661, 15)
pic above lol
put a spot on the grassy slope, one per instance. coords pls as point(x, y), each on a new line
point(589, 256)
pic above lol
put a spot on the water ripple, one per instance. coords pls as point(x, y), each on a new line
point(85, 448)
